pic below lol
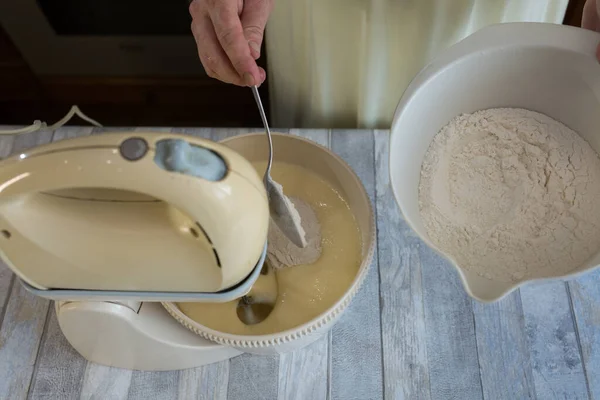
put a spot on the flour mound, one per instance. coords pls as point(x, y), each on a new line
point(511, 194)
point(282, 253)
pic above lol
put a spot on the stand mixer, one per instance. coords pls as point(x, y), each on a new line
point(111, 225)
point(118, 228)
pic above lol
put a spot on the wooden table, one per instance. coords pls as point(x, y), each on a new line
point(411, 333)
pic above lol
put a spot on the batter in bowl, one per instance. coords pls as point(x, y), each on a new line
point(304, 291)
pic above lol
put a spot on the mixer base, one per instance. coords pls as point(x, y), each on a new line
point(134, 335)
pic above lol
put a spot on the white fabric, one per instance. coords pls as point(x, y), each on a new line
point(346, 63)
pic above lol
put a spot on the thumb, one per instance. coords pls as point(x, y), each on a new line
point(254, 19)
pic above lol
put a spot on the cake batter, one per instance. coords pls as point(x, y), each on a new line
point(304, 291)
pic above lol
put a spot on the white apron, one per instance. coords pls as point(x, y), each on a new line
point(346, 63)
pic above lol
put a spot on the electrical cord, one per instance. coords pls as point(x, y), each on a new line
point(41, 125)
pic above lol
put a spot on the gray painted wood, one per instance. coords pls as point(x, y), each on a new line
point(356, 339)
point(24, 316)
point(412, 332)
point(6, 275)
point(406, 371)
point(585, 293)
point(303, 374)
point(253, 377)
point(451, 343)
point(556, 361)
point(154, 385)
point(209, 382)
point(250, 377)
point(59, 370)
point(505, 366)
point(101, 382)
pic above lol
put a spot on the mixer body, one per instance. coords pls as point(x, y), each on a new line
point(112, 225)
point(136, 217)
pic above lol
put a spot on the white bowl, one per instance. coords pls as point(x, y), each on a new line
point(551, 69)
point(299, 151)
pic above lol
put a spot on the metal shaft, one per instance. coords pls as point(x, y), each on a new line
point(263, 116)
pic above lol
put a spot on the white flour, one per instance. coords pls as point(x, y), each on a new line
point(511, 195)
point(282, 253)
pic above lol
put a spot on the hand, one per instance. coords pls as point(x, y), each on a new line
point(591, 18)
point(229, 34)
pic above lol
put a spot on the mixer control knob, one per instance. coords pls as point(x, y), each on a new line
point(133, 149)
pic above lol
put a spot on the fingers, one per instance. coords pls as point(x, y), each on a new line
point(591, 18)
point(213, 58)
point(254, 19)
point(229, 32)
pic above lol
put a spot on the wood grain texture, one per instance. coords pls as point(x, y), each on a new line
point(101, 382)
point(204, 383)
point(451, 343)
point(154, 385)
point(59, 369)
point(253, 377)
point(411, 333)
point(556, 361)
point(210, 381)
point(6, 275)
point(24, 318)
point(585, 294)
point(406, 371)
point(303, 374)
point(250, 376)
point(503, 350)
point(356, 339)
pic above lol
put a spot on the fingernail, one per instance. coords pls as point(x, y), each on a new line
point(255, 48)
point(248, 79)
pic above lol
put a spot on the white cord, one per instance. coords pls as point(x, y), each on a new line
point(39, 125)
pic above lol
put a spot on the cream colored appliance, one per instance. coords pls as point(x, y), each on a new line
point(119, 228)
point(119, 220)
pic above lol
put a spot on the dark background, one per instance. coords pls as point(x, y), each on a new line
point(157, 101)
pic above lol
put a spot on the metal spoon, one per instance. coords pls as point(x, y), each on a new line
point(283, 212)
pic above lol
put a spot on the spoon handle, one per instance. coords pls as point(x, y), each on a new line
point(263, 116)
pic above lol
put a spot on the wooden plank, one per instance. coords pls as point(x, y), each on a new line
point(250, 376)
point(59, 369)
point(219, 134)
point(557, 367)
point(154, 385)
point(70, 132)
point(101, 382)
point(208, 382)
point(451, 343)
point(303, 374)
point(24, 318)
point(503, 349)
point(406, 371)
point(585, 295)
point(356, 365)
point(98, 130)
point(253, 377)
point(6, 275)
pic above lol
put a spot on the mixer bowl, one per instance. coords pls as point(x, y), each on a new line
point(551, 69)
point(298, 151)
